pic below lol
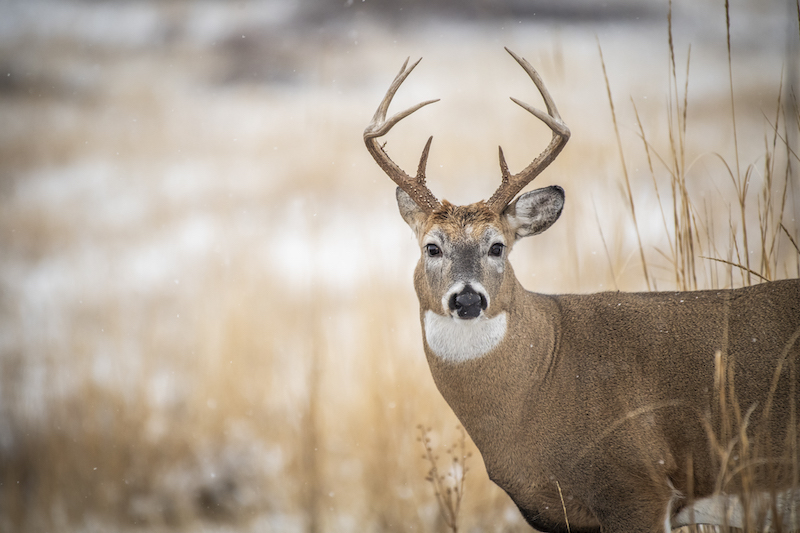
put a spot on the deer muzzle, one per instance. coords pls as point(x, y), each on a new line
point(467, 303)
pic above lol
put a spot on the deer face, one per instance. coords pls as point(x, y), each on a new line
point(464, 249)
point(464, 265)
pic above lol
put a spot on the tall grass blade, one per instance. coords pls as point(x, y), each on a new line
point(631, 203)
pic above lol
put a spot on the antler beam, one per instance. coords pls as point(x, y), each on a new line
point(415, 187)
point(513, 183)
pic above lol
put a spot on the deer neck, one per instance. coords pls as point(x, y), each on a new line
point(493, 364)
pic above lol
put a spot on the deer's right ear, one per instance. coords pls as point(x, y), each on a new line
point(535, 211)
point(410, 211)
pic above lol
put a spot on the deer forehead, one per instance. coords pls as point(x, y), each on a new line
point(474, 222)
point(464, 236)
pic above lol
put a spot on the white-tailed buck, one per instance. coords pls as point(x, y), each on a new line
point(612, 412)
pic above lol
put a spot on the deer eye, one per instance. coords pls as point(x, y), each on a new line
point(496, 250)
point(433, 250)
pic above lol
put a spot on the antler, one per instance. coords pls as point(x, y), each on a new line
point(512, 184)
point(415, 187)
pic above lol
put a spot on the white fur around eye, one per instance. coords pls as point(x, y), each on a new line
point(456, 340)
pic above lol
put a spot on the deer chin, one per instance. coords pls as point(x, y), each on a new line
point(456, 340)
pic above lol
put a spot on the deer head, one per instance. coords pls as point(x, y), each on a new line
point(464, 249)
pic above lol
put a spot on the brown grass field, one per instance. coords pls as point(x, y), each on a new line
point(207, 317)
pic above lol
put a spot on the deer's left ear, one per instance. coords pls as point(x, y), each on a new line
point(535, 211)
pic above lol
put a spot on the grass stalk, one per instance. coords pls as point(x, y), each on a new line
point(631, 203)
point(647, 150)
point(740, 184)
point(605, 247)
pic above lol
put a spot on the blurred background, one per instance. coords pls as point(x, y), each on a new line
point(207, 320)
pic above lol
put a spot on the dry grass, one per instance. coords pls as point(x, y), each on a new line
point(695, 251)
point(205, 290)
point(739, 446)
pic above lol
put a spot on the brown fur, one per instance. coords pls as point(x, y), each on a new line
point(610, 396)
point(454, 219)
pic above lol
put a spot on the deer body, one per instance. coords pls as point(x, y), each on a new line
point(594, 412)
point(613, 412)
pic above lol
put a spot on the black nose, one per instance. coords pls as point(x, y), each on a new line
point(467, 303)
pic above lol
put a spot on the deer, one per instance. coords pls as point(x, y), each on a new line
point(599, 412)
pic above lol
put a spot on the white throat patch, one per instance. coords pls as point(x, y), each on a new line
point(455, 340)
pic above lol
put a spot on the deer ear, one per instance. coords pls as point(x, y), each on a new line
point(535, 211)
point(410, 211)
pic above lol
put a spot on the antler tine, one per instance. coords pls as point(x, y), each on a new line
point(512, 184)
point(415, 187)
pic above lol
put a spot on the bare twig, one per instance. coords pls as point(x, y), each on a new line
point(448, 487)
